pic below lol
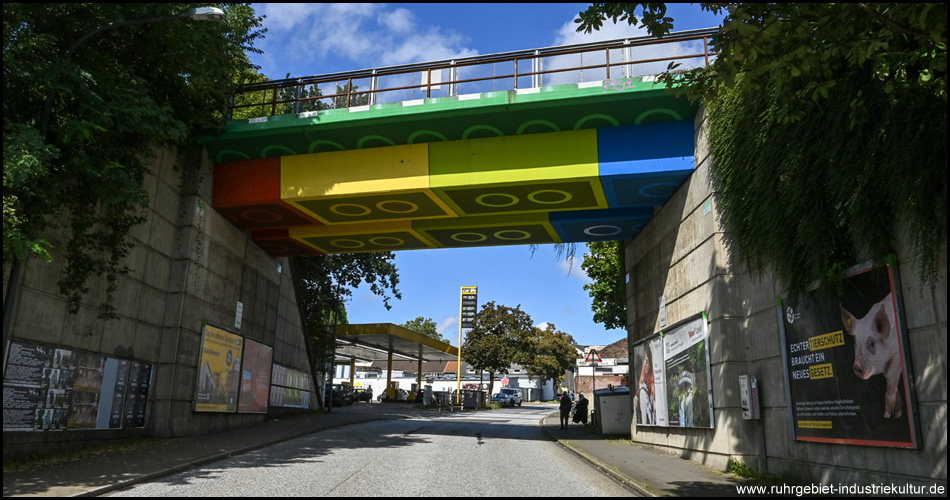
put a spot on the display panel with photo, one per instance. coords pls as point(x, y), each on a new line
point(219, 370)
point(847, 364)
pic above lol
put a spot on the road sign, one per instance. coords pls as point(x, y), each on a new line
point(593, 356)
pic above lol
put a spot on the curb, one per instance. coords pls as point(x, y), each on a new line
point(601, 466)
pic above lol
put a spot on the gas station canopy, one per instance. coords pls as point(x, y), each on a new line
point(374, 342)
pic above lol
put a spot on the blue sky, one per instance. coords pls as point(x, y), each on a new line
point(311, 39)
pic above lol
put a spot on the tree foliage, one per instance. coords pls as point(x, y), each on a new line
point(493, 342)
point(77, 125)
point(424, 326)
point(292, 99)
point(548, 354)
point(827, 125)
point(504, 335)
point(323, 285)
point(604, 264)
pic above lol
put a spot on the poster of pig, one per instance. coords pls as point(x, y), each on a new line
point(847, 364)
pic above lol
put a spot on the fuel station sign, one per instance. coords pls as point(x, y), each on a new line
point(468, 306)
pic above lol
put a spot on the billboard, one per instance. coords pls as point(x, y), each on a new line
point(647, 373)
point(48, 388)
point(687, 381)
point(670, 370)
point(255, 377)
point(219, 370)
point(290, 388)
point(847, 365)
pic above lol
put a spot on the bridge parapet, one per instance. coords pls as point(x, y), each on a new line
point(614, 62)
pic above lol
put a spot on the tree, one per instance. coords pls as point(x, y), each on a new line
point(604, 264)
point(827, 126)
point(424, 326)
point(293, 96)
point(323, 283)
point(492, 343)
point(547, 354)
point(78, 120)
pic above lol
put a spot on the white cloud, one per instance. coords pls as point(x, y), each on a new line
point(398, 21)
point(447, 323)
point(431, 46)
point(369, 35)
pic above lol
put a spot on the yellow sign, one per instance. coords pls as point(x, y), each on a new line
point(219, 370)
point(825, 341)
point(821, 371)
point(814, 424)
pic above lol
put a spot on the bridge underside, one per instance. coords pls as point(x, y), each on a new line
point(572, 163)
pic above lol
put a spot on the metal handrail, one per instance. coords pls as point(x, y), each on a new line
point(532, 56)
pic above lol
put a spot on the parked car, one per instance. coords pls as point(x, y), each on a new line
point(340, 395)
point(364, 394)
point(401, 395)
point(514, 394)
point(503, 399)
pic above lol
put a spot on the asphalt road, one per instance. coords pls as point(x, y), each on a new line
point(494, 453)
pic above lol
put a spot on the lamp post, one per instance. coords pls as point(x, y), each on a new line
point(16, 269)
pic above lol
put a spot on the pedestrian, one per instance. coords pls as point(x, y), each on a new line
point(580, 412)
point(565, 410)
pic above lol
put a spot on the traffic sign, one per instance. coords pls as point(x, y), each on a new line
point(593, 356)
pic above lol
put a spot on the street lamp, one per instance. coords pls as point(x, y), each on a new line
point(16, 270)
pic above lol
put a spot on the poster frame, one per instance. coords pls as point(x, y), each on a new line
point(229, 407)
point(106, 369)
point(661, 382)
point(784, 308)
point(673, 329)
point(241, 405)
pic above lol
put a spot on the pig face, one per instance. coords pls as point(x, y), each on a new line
point(876, 349)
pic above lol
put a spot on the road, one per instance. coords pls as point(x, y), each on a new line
point(488, 453)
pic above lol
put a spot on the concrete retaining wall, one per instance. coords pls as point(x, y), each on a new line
point(681, 255)
point(190, 266)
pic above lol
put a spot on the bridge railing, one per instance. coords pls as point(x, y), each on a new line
point(598, 61)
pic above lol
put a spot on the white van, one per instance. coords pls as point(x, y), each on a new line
point(515, 395)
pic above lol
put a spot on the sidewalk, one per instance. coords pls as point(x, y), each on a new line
point(647, 471)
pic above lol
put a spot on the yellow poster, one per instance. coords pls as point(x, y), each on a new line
point(219, 370)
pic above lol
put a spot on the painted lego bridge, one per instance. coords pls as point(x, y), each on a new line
point(575, 162)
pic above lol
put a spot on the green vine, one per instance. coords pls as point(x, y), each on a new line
point(808, 198)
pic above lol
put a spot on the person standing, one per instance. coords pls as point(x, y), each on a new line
point(565, 410)
point(580, 412)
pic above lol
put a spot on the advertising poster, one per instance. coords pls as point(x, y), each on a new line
point(48, 389)
point(86, 391)
point(255, 377)
point(118, 393)
point(290, 388)
point(649, 400)
point(136, 400)
point(25, 385)
point(687, 379)
point(219, 370)
point(847, 365)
